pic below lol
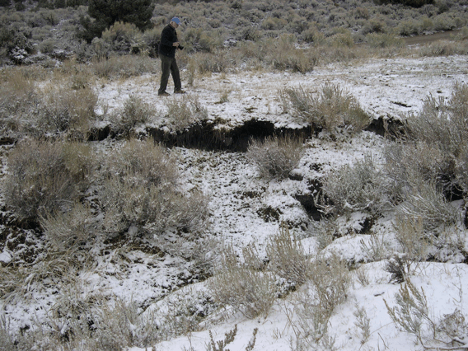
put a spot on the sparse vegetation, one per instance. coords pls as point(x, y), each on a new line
point(80, 214)
point(326, 289)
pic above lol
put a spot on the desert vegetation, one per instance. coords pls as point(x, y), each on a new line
point(116, 232)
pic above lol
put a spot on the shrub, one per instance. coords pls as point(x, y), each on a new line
point(342, 40)
point(124, 66)
point(18, 97)
point(184, 112)
point(283, 54)
point(139, 209)
point(65, 230)
point(443, 22)
point(444, 126)
point(412, 314)
point(135, 111)
point(334, 108)
point(412, 3)
point(212, 62)
point(7, 340)
point(411, 310)
point(356, 188)
point(442, 48)
point(151, 38)
point(375, 25)
point(139, 193)
point(138, 13)
point(331, 280)
point(195, 39)
point(361, 12)
point(313, 35)
point(246, 290)
point(275, 157)
point(383, 40)
point(123, 37)
point(409, 166)
point(287, 258)
point(462, 34)
point(461, 171)
point(409, 232)
point(272, 23)
point(63, 110)
point(408, 28)
point(327, 288)
point(39, 180)
point(47, 46)
point(88, 321)
point(430, 205)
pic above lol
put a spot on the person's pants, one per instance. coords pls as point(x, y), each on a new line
point(169, 66)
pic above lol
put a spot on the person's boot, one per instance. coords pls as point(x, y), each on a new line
point(179, 91)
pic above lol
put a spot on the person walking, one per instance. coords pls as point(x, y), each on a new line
point(167, 49)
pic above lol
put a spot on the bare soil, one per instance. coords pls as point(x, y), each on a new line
point(430, 38)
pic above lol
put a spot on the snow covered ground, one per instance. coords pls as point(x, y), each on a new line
point(238, 199)
point(384, 87)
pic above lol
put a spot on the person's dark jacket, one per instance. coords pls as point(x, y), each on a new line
point(168, 37)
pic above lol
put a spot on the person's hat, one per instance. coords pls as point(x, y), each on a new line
point(175, 20)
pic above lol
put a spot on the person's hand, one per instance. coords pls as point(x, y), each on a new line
point(176, 44)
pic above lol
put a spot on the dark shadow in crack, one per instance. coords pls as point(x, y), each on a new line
point(208, 135)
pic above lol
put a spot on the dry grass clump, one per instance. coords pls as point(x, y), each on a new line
point(247, 290)
point(41, 179)
point(332, 110)
point(275, 157)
